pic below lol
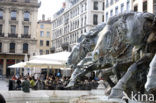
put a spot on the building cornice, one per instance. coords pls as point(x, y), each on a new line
point(20, 4)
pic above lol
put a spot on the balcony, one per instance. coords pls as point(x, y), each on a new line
point(1, 34)
point(13, 18)
point(25, 36)
point(11, 35)
point(25, 51)
point(12, 51)
point(26, 19)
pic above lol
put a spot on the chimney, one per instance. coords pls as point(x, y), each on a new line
point(43, 17)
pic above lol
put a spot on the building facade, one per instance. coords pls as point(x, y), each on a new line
point(44, 36)
point(75, 18)
point(115, 7)
point(144, 6)
point(18, 22)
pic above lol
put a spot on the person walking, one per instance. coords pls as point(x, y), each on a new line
point(26, 86)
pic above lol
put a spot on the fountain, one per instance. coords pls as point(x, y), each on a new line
point(124, 48)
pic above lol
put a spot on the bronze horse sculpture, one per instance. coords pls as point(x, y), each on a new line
point(79, 58)
point(116, 44)
point(122, 33)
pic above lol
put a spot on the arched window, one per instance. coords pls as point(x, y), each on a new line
point(25, 48)
point(13, 15)
point(12, 47)
point(26, 16)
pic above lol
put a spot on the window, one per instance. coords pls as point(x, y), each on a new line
point(103, 18)
point(116, 0)
point(111, 13)
point(13, 15)
point(26, 30)
point(128, 5)
point(14, 0)
point(106, 16)
point(47, 51)
point(0, 47)
point(13, 29)
point(116, 10)
point(47, 43)
point(48, 34)
point(107, 4)
point(25, 48)
point(1, 14)
point(103, 6)
point(12, 47)
point(154, 6)
point(122, 8)
point(41, 52)
point(1, 29)
point(27, 1)
point(145, 6)
point(111, 2)
point(95, 19)
point(136, 8)
point(41, 26)
point(41, 42)
point(26, 16)
point(95, 5)
point(41, 33)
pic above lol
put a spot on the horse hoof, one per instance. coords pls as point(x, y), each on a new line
point(70, 84)
point(116, 93)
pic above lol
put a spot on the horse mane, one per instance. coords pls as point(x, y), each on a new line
point(116, 17)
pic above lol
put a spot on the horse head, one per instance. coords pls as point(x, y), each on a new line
point(74, 57)
point(129, 28)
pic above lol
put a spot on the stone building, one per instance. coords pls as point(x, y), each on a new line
point(144, 6)
point(75, 18)
point(115, 7)
point(18, 22)
point(44, 36)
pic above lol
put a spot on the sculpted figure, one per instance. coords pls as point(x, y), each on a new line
point(121, 35)
point(78, 56)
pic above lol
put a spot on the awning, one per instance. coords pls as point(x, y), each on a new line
point(60, 57)
point(18, 65)
point(45, 64)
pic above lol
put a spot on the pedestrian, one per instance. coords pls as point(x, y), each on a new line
point(32, 82)
point(2, 100)
point(26, 86)
point(18, 84)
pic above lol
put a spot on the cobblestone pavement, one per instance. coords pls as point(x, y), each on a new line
point(3, 85)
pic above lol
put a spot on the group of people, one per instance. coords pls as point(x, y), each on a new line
point(50, 82)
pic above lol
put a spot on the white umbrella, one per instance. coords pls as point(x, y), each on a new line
point(60, 57)
point(45, 64)
point(18, 65)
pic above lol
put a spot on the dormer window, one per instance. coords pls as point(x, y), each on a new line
point(13, 15)
point(26, 16)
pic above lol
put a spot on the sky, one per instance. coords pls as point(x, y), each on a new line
point(49, 7)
